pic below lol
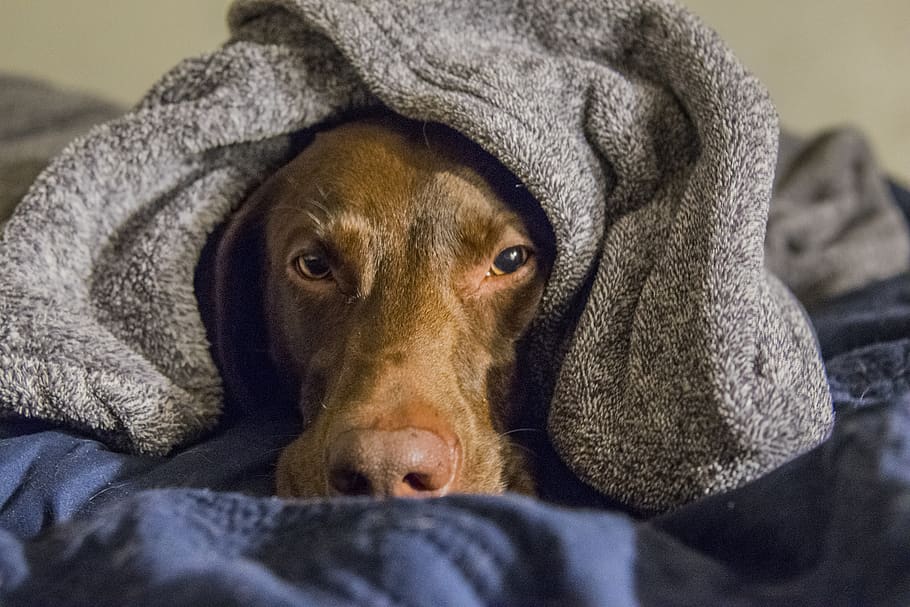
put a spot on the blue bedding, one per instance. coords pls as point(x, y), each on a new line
point(80, 524)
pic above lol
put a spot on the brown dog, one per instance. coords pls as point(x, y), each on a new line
point(395, 265)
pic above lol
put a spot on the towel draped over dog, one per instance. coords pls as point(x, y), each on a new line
point(668, 361)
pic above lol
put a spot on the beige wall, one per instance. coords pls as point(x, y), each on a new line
point(826, 62)
point(115, 47)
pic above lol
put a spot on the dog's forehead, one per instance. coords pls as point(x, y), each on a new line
point(366, 174)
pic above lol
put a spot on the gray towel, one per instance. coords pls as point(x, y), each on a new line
point(668, 362)
point(833, 226)
point(37, 121)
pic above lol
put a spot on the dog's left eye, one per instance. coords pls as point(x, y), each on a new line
point(312, 266)
point(509, 260)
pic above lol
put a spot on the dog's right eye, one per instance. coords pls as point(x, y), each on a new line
point(312, 266)
point(509, 260)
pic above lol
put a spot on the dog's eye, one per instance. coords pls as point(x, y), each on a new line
point(312, 266)
point(509, 260)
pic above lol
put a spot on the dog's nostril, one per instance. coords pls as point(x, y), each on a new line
point(409, 462)
point(417, 482)
point(350, 482)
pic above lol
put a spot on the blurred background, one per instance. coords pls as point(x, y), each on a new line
point(826, 62)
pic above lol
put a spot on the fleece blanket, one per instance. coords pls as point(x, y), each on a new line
point(669, 362)
point(38, 120)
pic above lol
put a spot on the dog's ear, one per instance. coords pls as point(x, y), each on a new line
point(235, 319)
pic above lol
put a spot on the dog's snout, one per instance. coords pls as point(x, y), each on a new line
point(406, 462)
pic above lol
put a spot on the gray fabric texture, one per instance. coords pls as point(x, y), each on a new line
point(669, 363)
point(833, 226)
point(38, 120)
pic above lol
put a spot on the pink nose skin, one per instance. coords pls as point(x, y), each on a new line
point(409, 462)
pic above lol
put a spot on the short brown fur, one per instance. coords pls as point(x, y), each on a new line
point(410, 329)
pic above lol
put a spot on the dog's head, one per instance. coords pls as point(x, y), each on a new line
point(391, 268)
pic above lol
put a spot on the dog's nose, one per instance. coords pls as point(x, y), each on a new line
point(408, 462)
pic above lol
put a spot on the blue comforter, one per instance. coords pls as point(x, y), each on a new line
point(81, 525)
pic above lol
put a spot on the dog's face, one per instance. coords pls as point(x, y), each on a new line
point(396, 281)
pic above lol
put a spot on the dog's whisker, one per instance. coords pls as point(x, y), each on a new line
point(307, 211)
point(274, 451)
point(517, 430)
point(426, 138)
point(524, 448)
point(316, 220)
point(318, 204)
